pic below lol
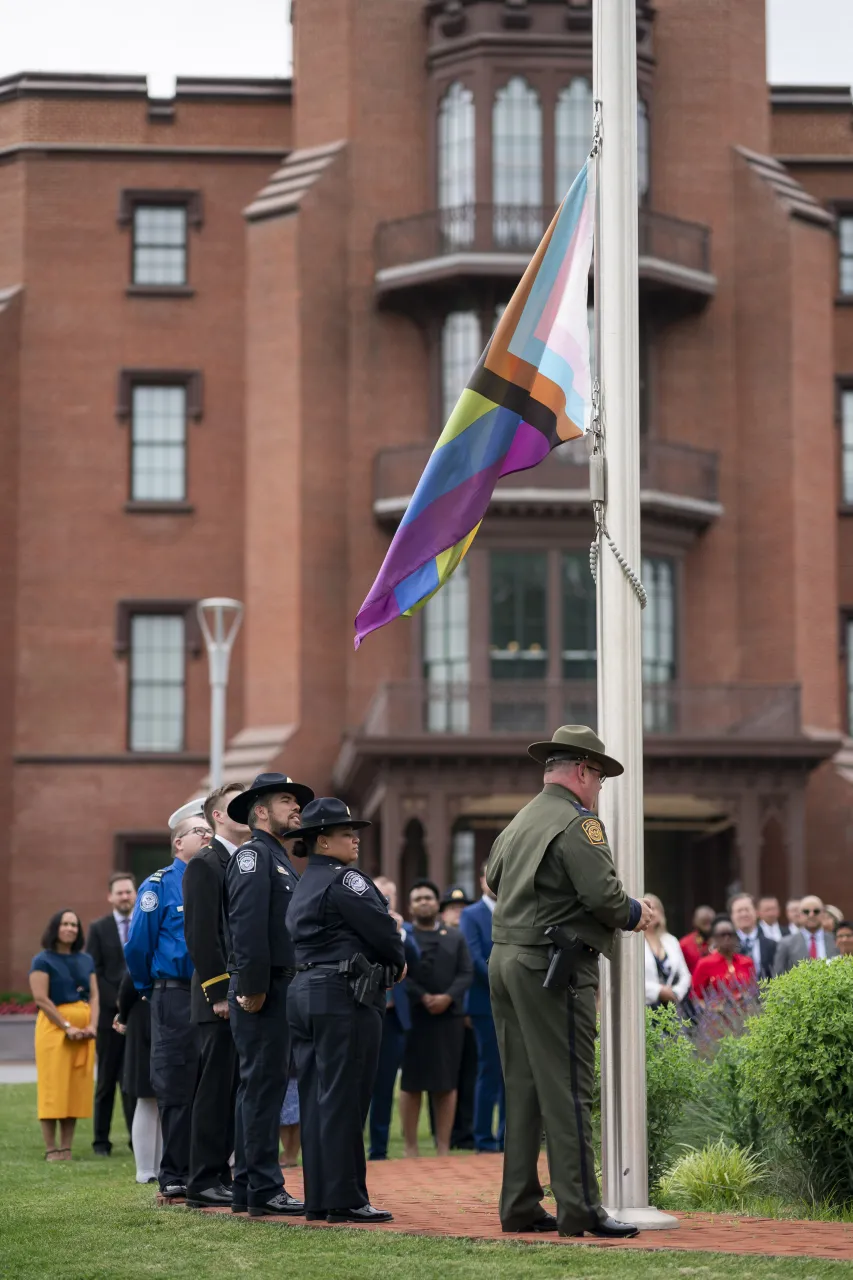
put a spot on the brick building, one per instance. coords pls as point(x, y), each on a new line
point(231, 325)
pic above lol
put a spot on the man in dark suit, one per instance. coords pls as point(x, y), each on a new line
point(476, 926)
point(808, 942)
point(752, 941)
point(768, 919)
point(212, 1131)
point(107, 937)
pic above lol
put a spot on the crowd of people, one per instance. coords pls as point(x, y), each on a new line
point(190, 995)
point(260, 992)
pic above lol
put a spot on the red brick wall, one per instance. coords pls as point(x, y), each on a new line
point(10, 329)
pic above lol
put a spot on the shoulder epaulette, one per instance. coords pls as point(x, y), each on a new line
point(158, 875)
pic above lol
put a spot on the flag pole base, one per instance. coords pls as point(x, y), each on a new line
point(647, 1219)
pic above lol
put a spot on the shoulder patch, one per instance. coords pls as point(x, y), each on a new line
point(157, 876)
point(594, 831)
point(355, 881)
point(247, 861)
point(149, 901)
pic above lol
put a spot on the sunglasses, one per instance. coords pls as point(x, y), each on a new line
point(724, 933)
point(811, 911)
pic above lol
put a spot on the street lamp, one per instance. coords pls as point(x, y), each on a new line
point(219, 619)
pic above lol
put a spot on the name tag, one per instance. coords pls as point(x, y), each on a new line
point(180, 908)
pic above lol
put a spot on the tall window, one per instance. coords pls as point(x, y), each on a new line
point(517, 164)
point(446, 666)
point(848, 631)
point(573, 134)
point(456, 164)
point(463, 852)
point(579, 638)
point(845, 255)
point(461, 347)
point(643, 150)
point(659, 643)
point(160, 244)
point(519, 615)
point(157, 660)
point(847, 446)
point(159, 444)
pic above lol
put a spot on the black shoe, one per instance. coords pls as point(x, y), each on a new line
point(210, 1198)
point(546, 1223)
point(173, 1191)
point(281, 1205)
point(316, 1215)
point(610, 1229)
point(239, 1206)
point(102, 1151)
point(366, 1213)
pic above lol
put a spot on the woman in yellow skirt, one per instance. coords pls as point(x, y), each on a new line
point(64, 986)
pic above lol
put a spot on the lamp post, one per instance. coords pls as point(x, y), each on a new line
point(219, 619)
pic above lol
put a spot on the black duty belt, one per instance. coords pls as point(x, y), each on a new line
point(340, 966)
point(281, 971)
point(167, 984)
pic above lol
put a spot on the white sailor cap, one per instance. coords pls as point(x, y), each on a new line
point(192, 809)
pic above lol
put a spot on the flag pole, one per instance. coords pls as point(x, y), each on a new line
point(625, 1190)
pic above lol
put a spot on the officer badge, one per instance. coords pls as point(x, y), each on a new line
point(356, 882)
point(592, 827)
point(246, 861)
point(148, 901)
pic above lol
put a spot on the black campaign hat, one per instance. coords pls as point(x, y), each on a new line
point(238, 809)
point(455, 896)
point(323, 814)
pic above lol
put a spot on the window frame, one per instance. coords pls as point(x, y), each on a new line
point(192, 382)
point(843, 388)
point(844, 214)
point(132, 198)
point(149, 612)
point(523, 221)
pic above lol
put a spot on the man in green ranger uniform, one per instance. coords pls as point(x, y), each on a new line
point(552, 867)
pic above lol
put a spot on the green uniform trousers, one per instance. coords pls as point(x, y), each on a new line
point(547, 1048)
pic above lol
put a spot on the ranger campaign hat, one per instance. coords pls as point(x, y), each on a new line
point(238, 809)
point(576, 742)
point(455, 896)
point(322, 815)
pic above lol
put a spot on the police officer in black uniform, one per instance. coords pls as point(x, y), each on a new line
point(348, 951)
point(259, 885)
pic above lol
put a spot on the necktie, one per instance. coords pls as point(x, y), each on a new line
point(124, 925)
point(813, 947)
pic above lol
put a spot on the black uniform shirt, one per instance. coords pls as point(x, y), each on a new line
point(259, 885)
point(204, 929)
point(337, 911)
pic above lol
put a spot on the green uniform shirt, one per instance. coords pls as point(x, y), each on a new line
point(553, 865)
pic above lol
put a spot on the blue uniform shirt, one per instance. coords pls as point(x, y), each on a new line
point(156, 947)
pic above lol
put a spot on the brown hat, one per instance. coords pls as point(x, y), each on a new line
point(576, 742)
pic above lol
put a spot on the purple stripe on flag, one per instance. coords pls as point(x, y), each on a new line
point(375, 614)
point(528, 448)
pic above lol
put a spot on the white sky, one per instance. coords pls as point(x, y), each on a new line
point(808, 42)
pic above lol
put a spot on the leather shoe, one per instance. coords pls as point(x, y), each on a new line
point(173, 1191)
point(610, 1229)
point(278, 1206)
point(239, 1206)
point(366, 1213)
point(211, 1198)
point(316, 1215)
point(546, 1223)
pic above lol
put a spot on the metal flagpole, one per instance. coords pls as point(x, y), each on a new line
point(625, 1189)
point(219, 619)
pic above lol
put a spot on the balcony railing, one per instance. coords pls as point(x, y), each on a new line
point(418, 708)
point(676, 471)
point(497, 230)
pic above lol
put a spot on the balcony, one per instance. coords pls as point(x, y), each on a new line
point(445, 248)
point(677, 482)
point(728, 714)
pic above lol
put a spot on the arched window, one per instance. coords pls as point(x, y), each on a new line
point(643, 150)
point(461, 348)
point(456, 165)
point(572, 133)
point(517, 164)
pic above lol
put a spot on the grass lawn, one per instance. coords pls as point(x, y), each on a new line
point(90, 1221)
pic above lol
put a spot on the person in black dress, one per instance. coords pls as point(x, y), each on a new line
point(348, 951)
point(436, 988)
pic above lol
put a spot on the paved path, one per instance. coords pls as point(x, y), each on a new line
point(17, 1072)
point(458, 1197)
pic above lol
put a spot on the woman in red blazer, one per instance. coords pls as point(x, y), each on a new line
point(724, 967)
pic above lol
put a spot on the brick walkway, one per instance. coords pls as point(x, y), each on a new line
point(458, 1197)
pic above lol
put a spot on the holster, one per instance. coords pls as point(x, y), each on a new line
point(366, 979)
point(565, 950)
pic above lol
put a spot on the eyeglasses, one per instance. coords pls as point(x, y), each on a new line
point(602, 777)
point(198, 831)
point(725, 933)
point(811, 911)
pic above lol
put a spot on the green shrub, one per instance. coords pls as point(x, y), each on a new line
point(718, 1176)
point(674, 1079)
point(741, 1124)
point(797, 1070)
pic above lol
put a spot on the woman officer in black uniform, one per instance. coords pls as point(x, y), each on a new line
point(344, 939)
